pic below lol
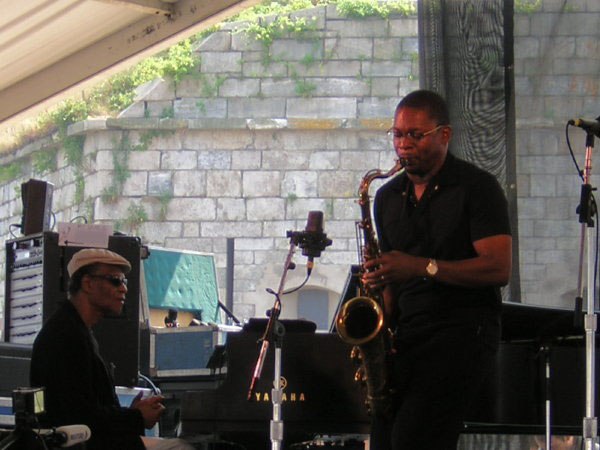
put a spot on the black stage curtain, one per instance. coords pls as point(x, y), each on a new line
point(466, 55)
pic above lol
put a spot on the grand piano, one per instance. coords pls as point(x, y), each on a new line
point(321, 398)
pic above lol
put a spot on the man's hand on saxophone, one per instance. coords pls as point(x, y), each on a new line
point(393, 267)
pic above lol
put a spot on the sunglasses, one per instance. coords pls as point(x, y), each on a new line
point(115, 280)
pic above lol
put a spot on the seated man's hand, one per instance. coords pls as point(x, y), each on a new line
point(150, 407)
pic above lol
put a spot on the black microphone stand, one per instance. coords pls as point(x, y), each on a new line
point(274, 331)
point(312, 243)
point(586, 212)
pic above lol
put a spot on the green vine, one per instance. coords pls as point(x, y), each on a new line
point(360, 9)
point(164, 198)
point(304, 88)
point(120, 157)
point(136, 216)
point(527, 6)
point(44, 160)
point(10, 172)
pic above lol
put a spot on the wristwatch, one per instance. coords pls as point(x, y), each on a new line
point(432, 268)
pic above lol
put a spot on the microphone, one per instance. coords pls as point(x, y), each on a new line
point(67, 435)
point(591, 126)
point(314, 239)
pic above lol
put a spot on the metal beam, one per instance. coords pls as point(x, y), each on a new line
point(112, 54)
point(146, 6)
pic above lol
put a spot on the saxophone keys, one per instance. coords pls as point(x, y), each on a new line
point(360, 375)
point(355, 354)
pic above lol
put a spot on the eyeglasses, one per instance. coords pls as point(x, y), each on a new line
point(115, 280)
point(414, 136)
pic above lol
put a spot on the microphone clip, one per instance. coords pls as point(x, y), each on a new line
point(312, 243)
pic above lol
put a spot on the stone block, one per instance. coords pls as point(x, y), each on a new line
point(285, 160)
point(178, 160)
point(586, 46)
point(136, 184)
point(162, 108)
point(532, 208)
point(404, 26)
point(157, 232)
point(195, 108)
point(386, 87)
point(339, 87)
point(324, 160)
point(192, 209)
point(389, 48)
point(219, 41)
point(191, 229)
point(387, 68)
point(278, 228)
point(360, 160)
point(230, 229)
point(145, 160)
point(189, 183)
point(299, 184)
point(255, 69)
point(137, 109)
point(243, 42)
point(410, 45)
point(157, 89)
point(104, 160)
point(330, 68)
point(366, 28)
point(348, 49)
point(261, 184)
point(246, 159)
point(299, 208)
point(578, 67)
point(265, 208)
point(231, 139)
point(221, 62)
point(347, 208)
point(342, 184)
point(214, 160)
point(256, 108)
point(278, 87)
point(296, 50)
point(377, 107)
point(160, 140)
point(160, 183)
point(237, 87)
point(331, 108)
point(224, 183)
point(196, 245)
point(561, 208)
point(229, 209)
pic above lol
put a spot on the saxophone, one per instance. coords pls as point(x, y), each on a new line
point(361, 320)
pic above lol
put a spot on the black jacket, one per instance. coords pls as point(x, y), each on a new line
point(78, 387)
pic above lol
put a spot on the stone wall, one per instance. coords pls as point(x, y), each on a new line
point(252, 142)
point(557, 67)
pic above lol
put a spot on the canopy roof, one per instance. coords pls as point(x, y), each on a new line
point(49, 48)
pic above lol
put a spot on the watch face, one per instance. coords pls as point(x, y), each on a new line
point(432, 267)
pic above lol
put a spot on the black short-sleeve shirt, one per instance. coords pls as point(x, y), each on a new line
point(461, 205)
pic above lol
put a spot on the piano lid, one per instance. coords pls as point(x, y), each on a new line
point(524, 322)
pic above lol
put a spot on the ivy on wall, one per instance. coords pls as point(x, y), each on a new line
point(118, 92)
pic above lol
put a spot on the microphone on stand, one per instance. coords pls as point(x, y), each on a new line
point(313, 240)
point(591, 126)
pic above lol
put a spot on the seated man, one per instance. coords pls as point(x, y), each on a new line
point(65, 360)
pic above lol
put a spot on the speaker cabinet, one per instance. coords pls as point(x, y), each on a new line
point(37, 281)
point(37, 206)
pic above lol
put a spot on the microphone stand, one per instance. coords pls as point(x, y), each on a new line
point(274, 331)
point(586, 212)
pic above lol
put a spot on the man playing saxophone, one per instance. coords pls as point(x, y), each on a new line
point(444, 233)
